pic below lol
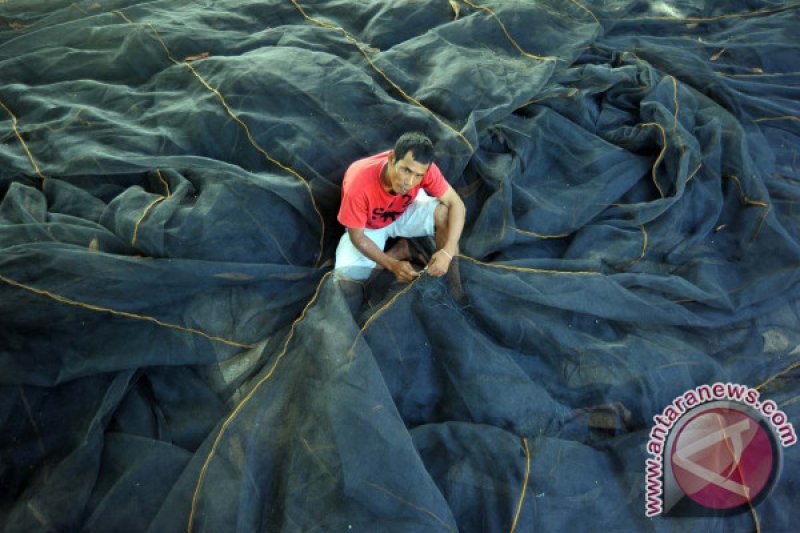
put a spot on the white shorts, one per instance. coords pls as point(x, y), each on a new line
point(417, 221)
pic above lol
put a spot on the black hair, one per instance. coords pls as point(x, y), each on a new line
point(418, 144)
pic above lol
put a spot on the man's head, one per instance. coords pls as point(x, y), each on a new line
point(408, 162)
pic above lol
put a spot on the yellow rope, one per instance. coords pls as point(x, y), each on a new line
point(379, 312)
point(745, 199)
point(244, 401)
point(779, 374)
point(524, 483)
point(569, 94)
point(539, 235)
point(693, 174)
point(149, 207)
point(645, 240)
point(527, 269)
point(784, 117)
point(92, 307)
point(141, 218)
point(587, 10)
point(738, 466)
point(508, 35)
point(22, 141)
point(375, 67)
point(248, 134)
point(163, 182)
point(124, 17)
point(660, 155)
point(753, 511)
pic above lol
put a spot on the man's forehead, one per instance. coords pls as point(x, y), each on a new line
point(413, 164)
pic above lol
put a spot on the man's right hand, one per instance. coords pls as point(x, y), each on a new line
point(404, 271)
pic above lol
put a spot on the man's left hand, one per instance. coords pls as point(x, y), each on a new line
point(439, 263)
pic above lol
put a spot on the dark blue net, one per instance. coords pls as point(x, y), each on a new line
point(175, 353)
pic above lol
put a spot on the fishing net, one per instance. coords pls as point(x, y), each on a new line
point(176, 352)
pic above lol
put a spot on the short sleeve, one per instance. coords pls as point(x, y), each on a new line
point(353, 211)
point(434, 183)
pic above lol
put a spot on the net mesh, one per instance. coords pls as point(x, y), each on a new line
point(177, 355)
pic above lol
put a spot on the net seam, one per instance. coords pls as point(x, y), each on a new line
point(223, 429)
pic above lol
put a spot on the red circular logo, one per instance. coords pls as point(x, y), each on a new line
point(722, 458)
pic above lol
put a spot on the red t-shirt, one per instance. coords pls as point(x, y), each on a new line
point(366, 204)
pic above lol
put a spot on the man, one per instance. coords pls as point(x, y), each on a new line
point(382, 199)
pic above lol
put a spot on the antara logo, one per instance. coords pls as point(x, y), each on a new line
point(715, 449)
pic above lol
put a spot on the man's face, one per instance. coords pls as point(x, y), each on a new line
point(405, 174)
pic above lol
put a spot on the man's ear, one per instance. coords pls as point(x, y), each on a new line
point(391, 157)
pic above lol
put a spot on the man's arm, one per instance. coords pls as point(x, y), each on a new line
point(447, 243)
point(401, 269)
